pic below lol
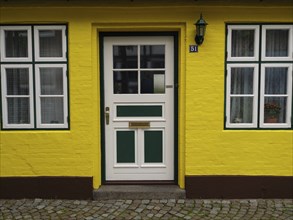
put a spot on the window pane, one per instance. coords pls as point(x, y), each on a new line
point(50, 43)
point(241, 110)
point(243, 43)
point(276, 80)
point(51, 81)
point(52, 111)
point(18, 110)
point(152, 56)
point(125, 82)
point(242, 80)
point(125, 57)
point(16, 43)
point(275, 110)
point(152, 82)
point(17, 81)
point(277, 43)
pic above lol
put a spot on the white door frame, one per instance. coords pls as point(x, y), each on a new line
point(128, 172)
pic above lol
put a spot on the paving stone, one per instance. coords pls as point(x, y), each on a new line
point(147, 209)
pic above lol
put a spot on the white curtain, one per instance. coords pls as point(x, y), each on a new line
point(243, 43)
point(50, 43)
point(277, 43)
point(241, 85)
point(276, 84)
point(52, 100)
point(16, 43)
point(17, 84)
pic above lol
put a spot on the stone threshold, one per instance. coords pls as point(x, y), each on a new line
point(109, 192)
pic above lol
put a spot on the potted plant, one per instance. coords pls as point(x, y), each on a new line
point(272, 112)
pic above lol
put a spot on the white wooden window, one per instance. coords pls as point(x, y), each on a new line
point(50, 43)
point(16, 43)
point(17, 96)
point(242, 93)
point(259, 81)
point(277, 43)
point(276, 95)
point(34, 85)
point(51, 95)
point(243, 43)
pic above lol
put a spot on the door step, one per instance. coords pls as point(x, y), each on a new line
point(109, 192)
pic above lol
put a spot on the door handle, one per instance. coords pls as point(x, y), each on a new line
point(107, 115)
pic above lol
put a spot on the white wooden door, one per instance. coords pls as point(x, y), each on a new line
point(139, 108)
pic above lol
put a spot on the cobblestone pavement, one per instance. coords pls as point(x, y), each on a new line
point(146, 209)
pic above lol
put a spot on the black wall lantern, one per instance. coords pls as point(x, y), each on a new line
point(200, 30)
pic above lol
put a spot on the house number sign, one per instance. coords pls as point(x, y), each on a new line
point(193, 48)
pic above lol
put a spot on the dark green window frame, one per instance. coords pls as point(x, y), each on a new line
point(260, 63)
point(36, 61)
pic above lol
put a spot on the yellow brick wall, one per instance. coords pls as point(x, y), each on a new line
point(205, 148)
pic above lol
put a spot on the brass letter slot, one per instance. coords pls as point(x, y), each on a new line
point(139, 124)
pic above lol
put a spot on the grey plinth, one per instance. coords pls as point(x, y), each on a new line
point(139, 192)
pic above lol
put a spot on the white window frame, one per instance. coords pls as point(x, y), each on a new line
point(290, 43)
point(5, 96)
point(3, 46)
point(287, 124)
point(254, 95)
point(256, 42)
point(37, 43)
point(38, 96)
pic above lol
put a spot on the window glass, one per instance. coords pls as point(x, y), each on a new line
point(276, 80)
point(52, 111)
point(152, 82)
point(242, 43)
point(17, 81)
point(16, 43)
point(50, 43)
point(51, 80)
point(125, 57)
point(277, 43)
point(275, 109)
point(242, 80)
point(241, 109)
point(152, 56)
point(125, 82)
point(18, 110)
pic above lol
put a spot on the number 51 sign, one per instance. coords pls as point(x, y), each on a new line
point(193, 48)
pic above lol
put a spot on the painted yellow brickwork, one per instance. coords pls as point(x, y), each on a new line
point(205, 148)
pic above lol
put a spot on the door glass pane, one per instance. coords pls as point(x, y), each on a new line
point(242, 43)
point(125, 82)
point(16, 43)
point(277, 43)
point(152, 82)
point(275, 110)
point(52, 111)
point(50, 43)
point(125, 57)
point(125, 146)
point(17, 81)
point(153, 146)
point(242, 80)
point(276, 80)
point(152, 56)
point(241, 110)
point(18, 110)
point(51, 81)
